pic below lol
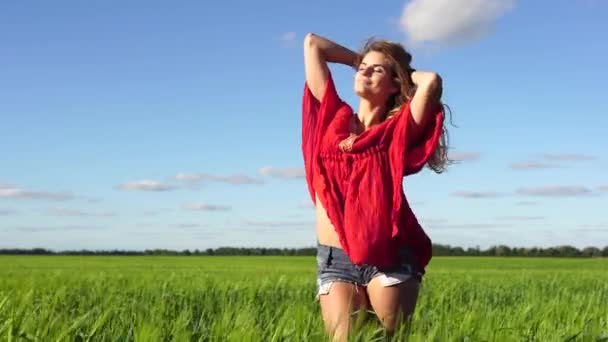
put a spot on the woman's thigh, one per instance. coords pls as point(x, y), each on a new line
point(393, 303)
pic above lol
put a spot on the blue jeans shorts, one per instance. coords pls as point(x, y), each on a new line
point(333, 265)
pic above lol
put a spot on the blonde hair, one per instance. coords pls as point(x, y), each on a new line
point(400, 61)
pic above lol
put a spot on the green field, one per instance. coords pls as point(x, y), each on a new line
point(67, 298)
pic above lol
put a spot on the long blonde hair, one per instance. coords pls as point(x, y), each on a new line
point(400, 61)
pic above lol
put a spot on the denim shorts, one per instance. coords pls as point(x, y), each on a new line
point(333, 265)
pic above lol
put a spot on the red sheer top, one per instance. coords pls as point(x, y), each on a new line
point(361, 187)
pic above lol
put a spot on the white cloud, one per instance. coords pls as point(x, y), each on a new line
point(237, 179)
point(154, 212)
point(288, 36)
point(463, 156)
point(288, 39)
point(234, 179)
point(552, 158)
point(146, 185)
point(12, 191)
point(555, 191)
point(569, 157)
point(520, 218)
point(306, 204)
point(467, 225)
point(37, 229)
point(7, 212)
point(188, 225)
point(188, 177)
point(280, 223)
point(526, 203)
point(451, 22)
point(597, 226)
point(532, 164)
point(205, 207)
point(64, 212)
point(476, 194)
point(286, 173)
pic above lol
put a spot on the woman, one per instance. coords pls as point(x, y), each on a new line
point(372, 252)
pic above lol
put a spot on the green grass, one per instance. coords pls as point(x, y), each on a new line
point(67, 298)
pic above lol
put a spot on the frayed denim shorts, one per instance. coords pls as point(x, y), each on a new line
point(333, 265)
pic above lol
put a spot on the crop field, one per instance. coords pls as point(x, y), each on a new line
point(213, 298)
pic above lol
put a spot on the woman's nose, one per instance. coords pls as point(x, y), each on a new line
point(366, 71)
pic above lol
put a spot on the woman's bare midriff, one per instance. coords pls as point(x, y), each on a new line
point(326, 234)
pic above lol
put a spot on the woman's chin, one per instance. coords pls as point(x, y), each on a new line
point(362, 92)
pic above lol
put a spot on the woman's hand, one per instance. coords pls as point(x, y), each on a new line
point(425, 78)
point(319, 51)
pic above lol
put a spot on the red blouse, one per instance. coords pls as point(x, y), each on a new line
point(360, 186)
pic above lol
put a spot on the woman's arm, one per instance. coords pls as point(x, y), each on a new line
point(319, 51)
point(427, 96)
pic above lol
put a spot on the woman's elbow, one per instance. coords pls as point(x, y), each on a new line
point(434, 82)
point(310, 40)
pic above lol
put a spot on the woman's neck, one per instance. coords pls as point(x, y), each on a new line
point(370, 114)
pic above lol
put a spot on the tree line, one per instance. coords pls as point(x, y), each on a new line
point(438, 250)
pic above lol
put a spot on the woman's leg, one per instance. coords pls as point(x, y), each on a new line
point(393, 304)
point(338, 302)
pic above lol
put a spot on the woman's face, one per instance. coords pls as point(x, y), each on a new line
point(374, 79)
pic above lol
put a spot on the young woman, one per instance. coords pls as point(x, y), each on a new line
point(372, 252)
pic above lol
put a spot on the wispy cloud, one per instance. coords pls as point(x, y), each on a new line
point(306, 204)
point(461, 156)
point(38, 229)
point(595, 225)
point(146, 185)
point(532, 164)
point(465, 226)
point(568, 157)
point(189, 177)
point(520, 218)
point(205, 207)
point(590, 230)
point(433, 220)
point(451, 22)
point(555, 191)
point(279, 223)
point(237, 179)
point(154, 212)
point(12, 191)
point(603, 188)
point(476, 194)
point(288, 38)
point(7, 212)
point(284, 173)
point(146, 225)
point(66, 212)
point(550, 161)
point(188, 225)
point(526, 203)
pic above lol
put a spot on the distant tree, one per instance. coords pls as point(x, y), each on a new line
point(438, 250)
point(568, 251)
point(457, 251)
point(503, 250)
point(591, 252)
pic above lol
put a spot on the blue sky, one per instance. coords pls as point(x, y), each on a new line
point(161, 125)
